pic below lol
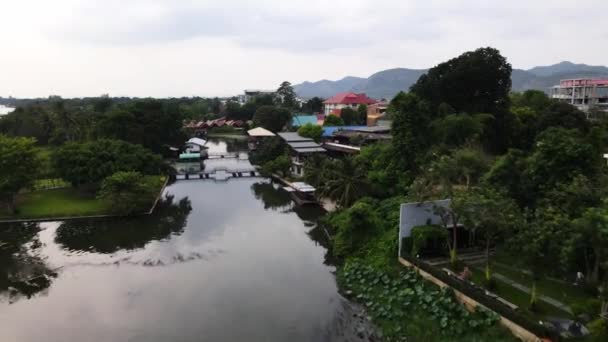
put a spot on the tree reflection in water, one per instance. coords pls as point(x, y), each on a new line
point(276, 198)
point(109, 236)
point(22, 273)
point(272, 197)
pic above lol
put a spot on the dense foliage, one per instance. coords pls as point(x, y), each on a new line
point(525, 173)
point(92, 162)
point(128, 192)
point(311, 131)
point(272, 118)
point(18, 167)
point(395, 298)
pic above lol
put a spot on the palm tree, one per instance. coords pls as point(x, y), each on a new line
point(344, 182)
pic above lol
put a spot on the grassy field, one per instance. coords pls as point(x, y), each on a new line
point(64, 202)
point(56, 203)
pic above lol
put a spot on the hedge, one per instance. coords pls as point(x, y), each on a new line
point(479, 294)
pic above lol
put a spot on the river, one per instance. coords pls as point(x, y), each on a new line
point(230, 260)
point(5, 110)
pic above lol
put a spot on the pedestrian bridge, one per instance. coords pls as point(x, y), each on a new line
point(218, 173)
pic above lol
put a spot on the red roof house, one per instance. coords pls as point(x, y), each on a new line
point(349, 99)
point(336, 103)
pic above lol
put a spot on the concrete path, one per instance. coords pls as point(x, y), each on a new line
point(527, 290)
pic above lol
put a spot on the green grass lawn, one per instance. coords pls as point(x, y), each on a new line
point(56, 203)
point(63, 202)
point(519, 298)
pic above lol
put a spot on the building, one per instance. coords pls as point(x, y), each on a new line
point(375, 112)
point(584, 93)
point(301, 120)
point(335, 104)
point(300, 148)
point(249, 94)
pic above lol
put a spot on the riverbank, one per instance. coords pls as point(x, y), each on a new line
point(69, 203)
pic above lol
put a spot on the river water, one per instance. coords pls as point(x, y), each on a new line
point(5, 110)
point(230, 260)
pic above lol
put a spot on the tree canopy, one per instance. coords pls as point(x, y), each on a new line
point(272, 118)
point(18, 167)
point(92, 162)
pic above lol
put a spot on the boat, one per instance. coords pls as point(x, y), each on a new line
point(302, 193)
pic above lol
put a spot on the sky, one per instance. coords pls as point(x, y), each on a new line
point(171, 48)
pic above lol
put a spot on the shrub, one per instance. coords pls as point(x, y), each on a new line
point(311, 131)
point(354, 227)
point(280, 165)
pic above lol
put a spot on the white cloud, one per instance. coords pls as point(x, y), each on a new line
point(188, 47)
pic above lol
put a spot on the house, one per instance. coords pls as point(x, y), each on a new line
point(416, 214)
point(256, 135)
point(300, 148)
point(250, 94)
point(375, 112)
point(347, 135)
point(194, 145)
point(584, 93)
point(335, 104)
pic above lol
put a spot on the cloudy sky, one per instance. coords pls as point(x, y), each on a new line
point(186, 47)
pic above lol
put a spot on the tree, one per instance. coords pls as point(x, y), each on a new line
point(286, 95)
point(127, 192)
point(449, 219)
point(539, 244)
point(508, 173)
point(280, 165)
point(470, 165)
point(345, 182)
point(268, 149)
point(561, 114)
point(592, 230)
point(272, 118)
point(475, 82)
point(333, 120)
point(315, 168)
point(234, 111)
point(313, 105)
point(362, 111)
point(559, 156)
point(92, 162)
point(355, 227)
point(350, 116)
point(18, 167)
point(458, 129)
point(489, 212)
point(311, 131)
point(410, 126)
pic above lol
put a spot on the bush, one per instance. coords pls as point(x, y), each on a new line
point(332, 120)
point(590, 307)
point(127, 192)
point(354, 228)
point(311, 131)
point(281, 165)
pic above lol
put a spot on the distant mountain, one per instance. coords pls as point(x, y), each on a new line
point(567, 68)
point(325, 88)
point(387, 83)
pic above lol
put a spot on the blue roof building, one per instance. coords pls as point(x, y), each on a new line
point(301, 120)
point(328, 131)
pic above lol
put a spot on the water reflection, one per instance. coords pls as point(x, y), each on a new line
point(232, 271)
point(22, 272)
point(109, 236)
point(273, 198)
point(219, 145)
